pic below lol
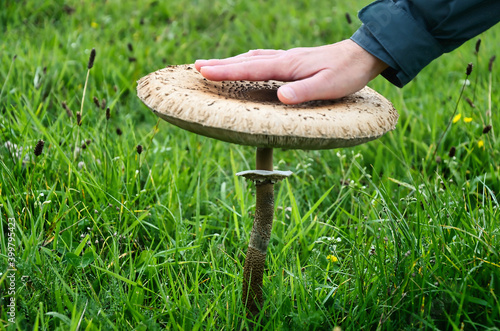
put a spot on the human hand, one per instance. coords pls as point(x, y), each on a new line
point(315, 73)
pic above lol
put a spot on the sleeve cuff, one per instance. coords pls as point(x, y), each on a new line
point(391, 34)
point(367, 41)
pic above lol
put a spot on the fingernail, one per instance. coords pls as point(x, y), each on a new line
point(199, 63)
point(206, 71)
point(288, 93)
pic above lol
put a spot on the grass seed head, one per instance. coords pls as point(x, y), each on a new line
point(469, 101)
point(348, 18)
point(130, 47)
point(96, 102)
point(39, 147)
point(66, 108)
point(119, 131)
point(91, 59)
point(490, 64)
point(139, 149)
point(103, 104)
point(108, 114)
point(78, 118)
point(478, 44)
point(487, 128)
point(469, 69)
point(68, 9)
point(452, 151)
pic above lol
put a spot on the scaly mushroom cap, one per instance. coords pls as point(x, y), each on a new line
point(250, 113)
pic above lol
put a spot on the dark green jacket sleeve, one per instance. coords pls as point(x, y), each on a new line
point(409, 34)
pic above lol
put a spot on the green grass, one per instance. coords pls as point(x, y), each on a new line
point(102, 245)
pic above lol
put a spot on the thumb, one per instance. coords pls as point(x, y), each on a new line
point(321, 86)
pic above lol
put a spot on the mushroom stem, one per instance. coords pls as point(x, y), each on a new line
point(264, 160)
point(259, 238)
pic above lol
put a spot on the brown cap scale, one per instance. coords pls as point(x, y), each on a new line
point(249, 113)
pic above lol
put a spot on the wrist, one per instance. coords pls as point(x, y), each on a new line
point(374, 65)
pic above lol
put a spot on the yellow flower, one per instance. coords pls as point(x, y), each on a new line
point(332, 258)
point(457, 118)
point(480, 144)
point(467, 119)
point(94, 25)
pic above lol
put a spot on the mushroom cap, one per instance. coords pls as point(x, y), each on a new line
point(250, 113)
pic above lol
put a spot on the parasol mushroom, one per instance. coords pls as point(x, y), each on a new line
point(250, 113)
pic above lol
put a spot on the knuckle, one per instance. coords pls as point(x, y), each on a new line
point(291, 63)
point(287, 59)
point(254, 52)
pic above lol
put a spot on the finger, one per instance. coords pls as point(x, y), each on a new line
point(321, 86)
point(242, 58)
point(233, 60)
point(260, 52)
point(254, 70)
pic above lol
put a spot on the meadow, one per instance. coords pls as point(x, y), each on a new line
point(401, 233)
